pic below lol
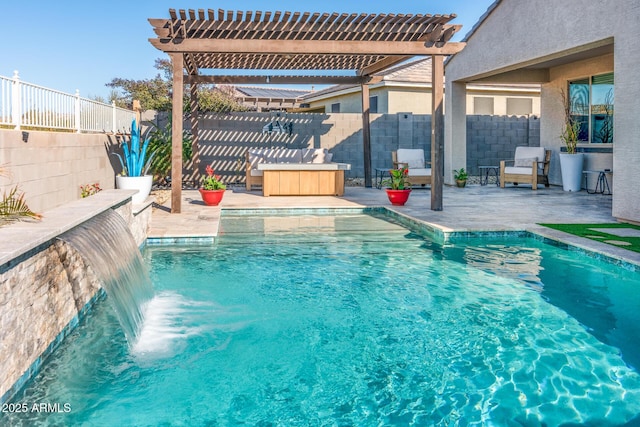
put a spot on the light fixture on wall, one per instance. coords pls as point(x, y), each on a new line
point(25, 136)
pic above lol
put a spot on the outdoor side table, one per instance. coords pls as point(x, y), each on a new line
point(486, 171)
point(602, 184)
point(380, 174)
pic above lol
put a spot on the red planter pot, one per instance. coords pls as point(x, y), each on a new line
point(398, 197)
point(211, 197)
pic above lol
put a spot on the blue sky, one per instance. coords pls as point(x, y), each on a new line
point(70, 44)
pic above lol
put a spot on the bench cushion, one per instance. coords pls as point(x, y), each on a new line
point(288, 155)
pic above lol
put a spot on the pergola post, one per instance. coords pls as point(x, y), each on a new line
point(437, 131)
point(366, 135)
point(195, 137)
point(177, 63)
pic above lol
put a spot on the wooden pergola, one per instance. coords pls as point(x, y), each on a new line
point(330, 43)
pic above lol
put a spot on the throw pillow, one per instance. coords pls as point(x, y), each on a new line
point(524, 162)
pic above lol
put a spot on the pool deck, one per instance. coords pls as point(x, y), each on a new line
point(472, 209)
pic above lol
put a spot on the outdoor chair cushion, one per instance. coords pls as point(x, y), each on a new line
point(419, 172)
point(523, 160)
point(412, 157)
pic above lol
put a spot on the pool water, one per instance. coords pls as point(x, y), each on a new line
point(353, 320)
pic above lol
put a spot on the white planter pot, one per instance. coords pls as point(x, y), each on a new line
point(140, 183)
point(571, 168)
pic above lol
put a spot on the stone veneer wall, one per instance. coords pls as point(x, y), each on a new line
point(224, 138)
point(46, 289)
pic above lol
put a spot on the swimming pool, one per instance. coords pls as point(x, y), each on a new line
point(354, 320)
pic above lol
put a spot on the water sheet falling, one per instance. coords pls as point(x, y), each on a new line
point(107, 246)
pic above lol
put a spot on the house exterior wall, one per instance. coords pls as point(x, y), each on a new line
point(519, 33)
point(554, 108)
point(409, 100)
point(351, 100)
point(394, 99)
point(501, 99)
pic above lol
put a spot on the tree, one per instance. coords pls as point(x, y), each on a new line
point(155, 93)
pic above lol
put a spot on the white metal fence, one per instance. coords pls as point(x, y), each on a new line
point(28, 105)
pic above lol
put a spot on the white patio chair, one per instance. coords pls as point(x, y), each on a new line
point(413, 158)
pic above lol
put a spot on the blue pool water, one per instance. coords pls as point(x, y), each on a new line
point(352, 320)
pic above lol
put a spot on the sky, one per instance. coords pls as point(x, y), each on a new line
point(70, 45)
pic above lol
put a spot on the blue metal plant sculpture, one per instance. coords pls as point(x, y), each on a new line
point(135, 161)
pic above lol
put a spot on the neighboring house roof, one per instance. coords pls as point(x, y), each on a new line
point(417, 72)
point(411, 72)
point(273, 93)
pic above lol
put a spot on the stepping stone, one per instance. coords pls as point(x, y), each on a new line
point(620, 232)
point(617, 242)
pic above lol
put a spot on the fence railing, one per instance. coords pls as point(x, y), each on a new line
point(28, 105)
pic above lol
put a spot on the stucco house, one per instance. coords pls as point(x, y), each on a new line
point(407, 89)
point(579, 48)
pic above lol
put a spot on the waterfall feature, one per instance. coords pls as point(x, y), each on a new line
point(107, 246)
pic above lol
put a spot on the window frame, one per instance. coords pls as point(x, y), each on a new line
point(580, 111)
point(373, 101)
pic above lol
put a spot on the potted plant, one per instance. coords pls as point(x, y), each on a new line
point(212, 188)
point(399, 187)
point(135, 163)
point(571, 161)
point(461, 176)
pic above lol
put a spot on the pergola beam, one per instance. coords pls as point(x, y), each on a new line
point(307, 47)
point(238, 79)
point(383, 64)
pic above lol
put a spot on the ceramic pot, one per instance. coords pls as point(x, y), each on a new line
point(461, 183)
point(211, 197)
point(571, 168)
point(398, 197)
point(140, 183)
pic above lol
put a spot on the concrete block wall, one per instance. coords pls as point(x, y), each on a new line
point(494, 138)
point(51, 166)
point(226, 137)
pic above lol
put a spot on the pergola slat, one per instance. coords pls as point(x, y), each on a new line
point(363, 44)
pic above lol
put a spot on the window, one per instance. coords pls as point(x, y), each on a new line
point(483, 105)
point(519, 106)
point(335, 108)
point(373, 104)
point(591, 105)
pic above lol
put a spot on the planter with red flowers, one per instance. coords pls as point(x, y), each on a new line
point(212, 189)
point(399, 187)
